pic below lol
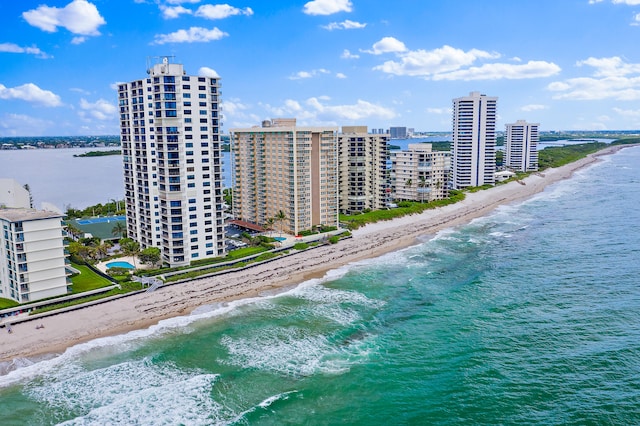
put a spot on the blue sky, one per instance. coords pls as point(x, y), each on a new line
point(567, 64)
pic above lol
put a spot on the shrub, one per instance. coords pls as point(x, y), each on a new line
point(334, 239)
point(301, 246)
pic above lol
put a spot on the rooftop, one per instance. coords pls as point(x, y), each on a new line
point(21, 215)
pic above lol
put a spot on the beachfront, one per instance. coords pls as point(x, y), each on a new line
point(144, 310)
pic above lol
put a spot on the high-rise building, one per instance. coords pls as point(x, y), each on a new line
point(420, 174)
point(170, 134)
point(474, 140)
point(363, 169)
point(398, 132)
point(32, 256)
point(521, 146)
point(283, 167)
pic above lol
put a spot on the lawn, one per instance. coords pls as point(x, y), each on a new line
point(87, 279)
point(7, 303)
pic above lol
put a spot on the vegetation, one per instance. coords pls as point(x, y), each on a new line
point(119, 230)
point(300, 246)
point(87, 279)
point(116, 207)
point(99, 153)
point(7, 303)
point(404, 208)
point(150, 256)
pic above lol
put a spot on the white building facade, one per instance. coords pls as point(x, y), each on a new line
point(14, 195)
point(473, 159)
point(32, 255)
point(363, 156)
point(420, 174)
point(521, 146)
point(170, 125)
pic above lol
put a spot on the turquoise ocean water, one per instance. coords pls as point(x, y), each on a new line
point(530, 315)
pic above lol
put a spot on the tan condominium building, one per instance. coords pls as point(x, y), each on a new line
point(363, 169)
point(521, 146)
point(420, 174)
point(280, 167)
point(32, 255)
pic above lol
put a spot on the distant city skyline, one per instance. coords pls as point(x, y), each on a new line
point(569, 65)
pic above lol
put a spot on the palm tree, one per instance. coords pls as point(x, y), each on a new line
point(422, 183)
point(119, 230)
point(130, 248)
point(408, 183)
point(268, 224)
point(281, 217)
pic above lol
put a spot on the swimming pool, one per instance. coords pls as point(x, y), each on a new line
point(279, 238)
point(120, 264)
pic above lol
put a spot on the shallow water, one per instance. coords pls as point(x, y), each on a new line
point(528, 316)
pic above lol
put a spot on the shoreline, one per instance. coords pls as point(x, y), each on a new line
point(144, 310)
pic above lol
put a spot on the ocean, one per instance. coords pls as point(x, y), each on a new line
point(530, 315)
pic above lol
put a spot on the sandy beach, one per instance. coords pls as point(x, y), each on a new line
point(143, 310)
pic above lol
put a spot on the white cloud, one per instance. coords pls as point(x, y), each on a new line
point(387, 45)
point(221, 11)
point(425, 63)
point(79, 17)
point(533, 107)
point(181, 1)
point(14, 48)
point(344, 25)
point(79, 90)
point(316, 110)
point(630, 113)
point(612, 79)
point(439, 111)
point(208, 72)
point(497, 71)
point(24, 125)
point(300, 75)
point(636, 20)
point(172, 12)
point(449, 63)
point(627, 2)
point(348, 55)
point(327, 7)
point(340, 75)
point(100, 109)
point(193, 34)
point(31, 93)
point(78, 40)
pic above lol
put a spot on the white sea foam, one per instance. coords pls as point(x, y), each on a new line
point(320, 294)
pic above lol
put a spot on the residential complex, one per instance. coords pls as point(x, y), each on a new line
point(170, 134)
point(363, 180)
point(521, 146)
point(32, 255)
point(420, 174)
point(474, 140)
point(280, 167)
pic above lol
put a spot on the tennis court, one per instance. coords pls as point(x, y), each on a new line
point(101, 220)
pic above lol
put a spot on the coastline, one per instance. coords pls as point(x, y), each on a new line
point(145, 310)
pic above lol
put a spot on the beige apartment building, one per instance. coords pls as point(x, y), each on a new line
point(363, 169)
point(282, 167)
point(420, 174)
point(521, 146)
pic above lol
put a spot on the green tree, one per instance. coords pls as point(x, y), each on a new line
point(268, 224)
point(119, 230)
point(422, 184)
point(150, 255)
point(281, 217)
point(130, 248)
point(408, 184)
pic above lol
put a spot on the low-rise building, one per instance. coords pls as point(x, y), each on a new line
point(32, 255)
point(420, 174)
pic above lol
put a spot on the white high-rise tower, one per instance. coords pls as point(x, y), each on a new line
point(521, 146)
point(474, 140)
point(170, 134)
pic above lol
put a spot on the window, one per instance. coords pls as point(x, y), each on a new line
point(186, 86)
point(186, 95)
point(202, 96)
